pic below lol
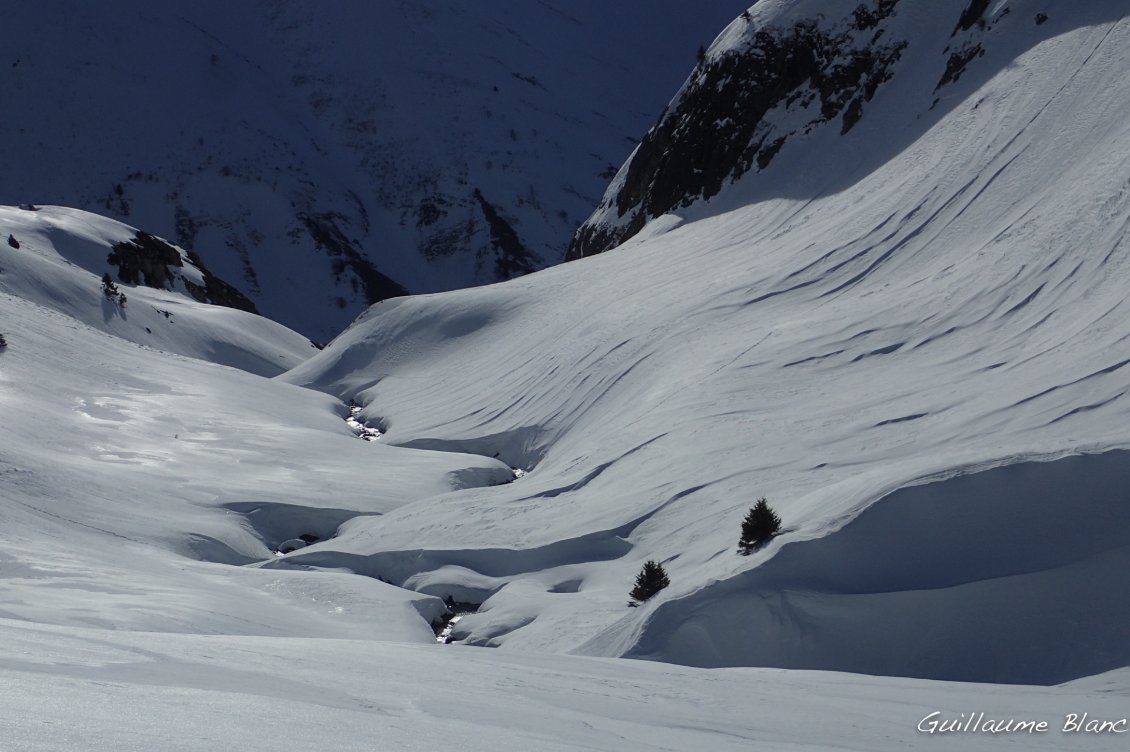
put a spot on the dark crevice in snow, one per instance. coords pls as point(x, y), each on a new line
point(903, 419)
point(285, 528)
point(444, 625)
point(519, 448)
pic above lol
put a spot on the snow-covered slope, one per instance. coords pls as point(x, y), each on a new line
point(322, 159)
point(141, 494)
point(80, 689)
point(133, 483)
point(161, 296)
point(932, 300)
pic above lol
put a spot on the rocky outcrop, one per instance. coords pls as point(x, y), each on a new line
point(512, 258)
point(147, 260)
point(788, 71)
point(327, 236)
point(729, 118)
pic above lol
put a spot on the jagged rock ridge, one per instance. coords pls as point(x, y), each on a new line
point(763, 82)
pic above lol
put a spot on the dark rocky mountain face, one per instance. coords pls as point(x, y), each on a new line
point(762, 85)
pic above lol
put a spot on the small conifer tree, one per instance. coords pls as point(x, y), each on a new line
point(651, 579)
point(109, 289)
point(761, 524)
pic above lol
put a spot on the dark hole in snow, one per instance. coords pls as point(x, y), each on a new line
point(444, 626)
point(568, 586)
point(293, 544)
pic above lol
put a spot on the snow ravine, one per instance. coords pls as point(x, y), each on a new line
point(847, 323)
point(911, 336)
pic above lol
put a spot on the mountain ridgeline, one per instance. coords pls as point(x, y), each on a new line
point(323, 161)
point(778, 74)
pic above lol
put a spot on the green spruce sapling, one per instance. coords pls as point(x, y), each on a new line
point(651, 579)
point(761, 524)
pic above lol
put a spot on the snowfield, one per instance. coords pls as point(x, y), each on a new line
point(73, 689)
point(939, 317)
point(911, 338)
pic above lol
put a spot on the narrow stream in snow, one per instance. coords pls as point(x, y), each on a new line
point(445, 626)
point(444, 635)
point(363, 431)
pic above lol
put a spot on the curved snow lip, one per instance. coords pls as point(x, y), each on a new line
point(1005, 575)
point(275, 522)
point(401, 566)
point(521, 448)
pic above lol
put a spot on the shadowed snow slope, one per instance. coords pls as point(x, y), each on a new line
point(323, 159)
point(848, 321)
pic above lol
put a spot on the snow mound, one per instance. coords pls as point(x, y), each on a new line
point(57, 258)
point(970, 577)
point(143, 491)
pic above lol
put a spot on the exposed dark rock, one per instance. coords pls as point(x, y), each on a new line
point(323, 230)
point(957, 62)
point(973, 13)
point(513, 259)
point(1041, 18)
point(867, 18)
point(446, 240)
point(431, 210)
point(13, 242)
point(720, 127)
point(147, 260)
point(216, 291)
point(186, 228)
